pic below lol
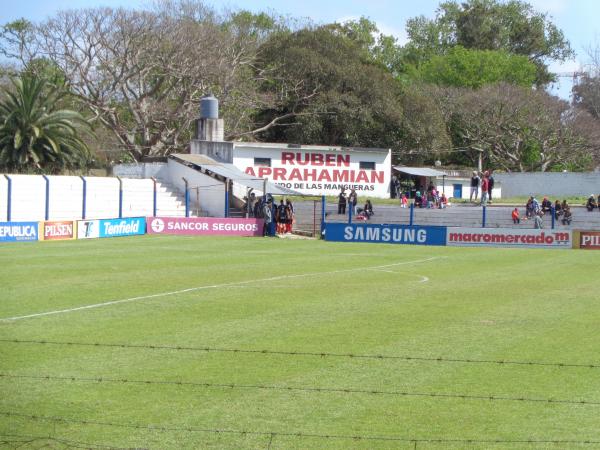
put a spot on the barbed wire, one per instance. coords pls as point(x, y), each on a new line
point(296, 434)
point(310, 389)
point(304, 353)
point(24, 439)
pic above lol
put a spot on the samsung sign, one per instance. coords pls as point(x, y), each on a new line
point(18, 231)
point(384, 233)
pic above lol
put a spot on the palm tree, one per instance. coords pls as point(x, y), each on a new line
point(34, 133)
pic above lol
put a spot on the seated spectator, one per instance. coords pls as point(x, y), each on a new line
point(418, 200)
point(546, 205)
point(403, 201)
point(591, 203)
point(529, 209)
point(443, 201)
point(557, 210)
point(566, 214)
point(515, 216)
point(368, 210)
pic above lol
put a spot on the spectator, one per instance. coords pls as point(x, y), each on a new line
point(557, 210)
point(537, 220)
point(490, 186)
point(443, 201)
point(368, 210)
point(352, 200)
point(418, 200)
point(566, 214)
point(591, 203)
point(342, 202)
point(546, 205)
point(484, 188)
point(515, 216)
point(529, 212)
point(403, 201)
point(267, 214)
point(474, 186)
point(291, 216)
point(598, 202)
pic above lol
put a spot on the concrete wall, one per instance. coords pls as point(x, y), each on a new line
point(206, 193)
point(555, 184)
point(141, 170)
point(3, 198)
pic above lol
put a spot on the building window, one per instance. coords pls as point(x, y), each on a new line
point(264, 162)
point(367, 165)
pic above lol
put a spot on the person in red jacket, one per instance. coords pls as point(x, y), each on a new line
point(485, 184)
point(515, 216)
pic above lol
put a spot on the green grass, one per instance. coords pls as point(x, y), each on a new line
point(484, 304)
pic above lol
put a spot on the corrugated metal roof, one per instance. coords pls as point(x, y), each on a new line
point(419, 171)
point(231, 172)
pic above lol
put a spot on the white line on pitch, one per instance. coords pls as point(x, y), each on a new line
point(214, 286)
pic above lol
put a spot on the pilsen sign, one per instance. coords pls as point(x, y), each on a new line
point(315, 170)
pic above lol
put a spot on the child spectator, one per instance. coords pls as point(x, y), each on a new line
point(403, 201)
point(515, 216)
point(443, 201)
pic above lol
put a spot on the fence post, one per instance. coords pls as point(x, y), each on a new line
point(412, 214)
point(187, 197)
point(9, 197)
point(552, 212)
point(120, 197)
point(153, 197)
point(84, 195)
point(47, 207)
point(323, 214)
point(226, 197)
point(484, 217)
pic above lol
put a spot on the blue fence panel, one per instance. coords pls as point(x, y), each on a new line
point(385, 233)
point(18, 231)
point(122, 227)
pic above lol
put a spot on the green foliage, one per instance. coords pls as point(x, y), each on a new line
point(34, 133)
point(513, 26)
point(462, 67)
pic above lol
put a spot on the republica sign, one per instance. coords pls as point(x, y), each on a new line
point(18, 231)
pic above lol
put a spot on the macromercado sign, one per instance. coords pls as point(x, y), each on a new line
point(508, 237)
point(18, 231)
point(199, 226)
point(384, 233)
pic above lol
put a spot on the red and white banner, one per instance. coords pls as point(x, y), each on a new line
point(589, 240)
point(58, 230)
point(204, 226)
point(508, 237)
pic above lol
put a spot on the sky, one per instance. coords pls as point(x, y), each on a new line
point(577, 19)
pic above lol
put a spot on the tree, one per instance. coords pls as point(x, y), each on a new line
point(513, 26)
point(34, 134)
point(141, 73)
point(335, 94)
point(461, 67)
point(520, 129)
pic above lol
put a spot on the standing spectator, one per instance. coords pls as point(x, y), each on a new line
point(403, 201)
point(342, 202)
point(515, 216)
point(474, 186)
point(394, 187)
point(484, 189)
point(291, 216)
point(490, 186)
point(352, 200)
point(419, 200)
point(267, 214)
point(282, 217)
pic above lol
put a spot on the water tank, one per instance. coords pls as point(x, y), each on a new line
point(209, 107)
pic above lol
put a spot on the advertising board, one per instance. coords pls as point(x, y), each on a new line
point(589, 240)
point(18, 231)
point(104, 228)
point(88, 229)
point(385, 233)
point(508, 237)
point(204, 226)
point(58, 230)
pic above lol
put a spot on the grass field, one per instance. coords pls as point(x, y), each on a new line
point(442, 319)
